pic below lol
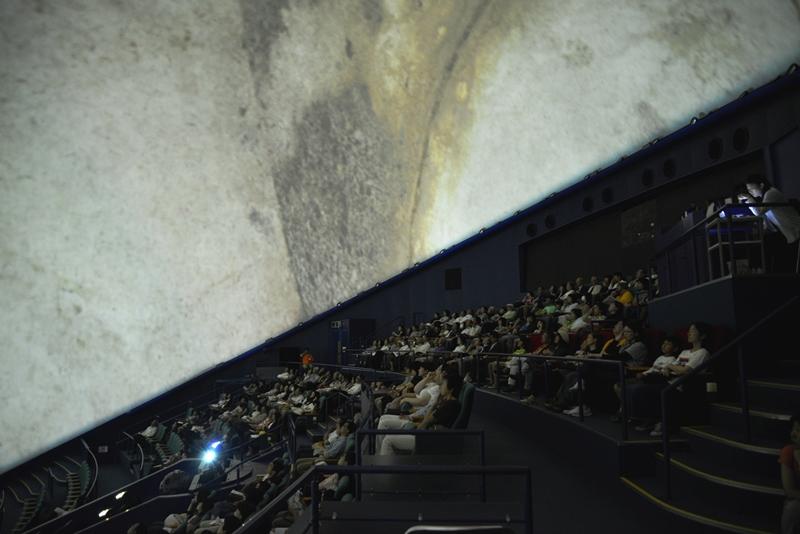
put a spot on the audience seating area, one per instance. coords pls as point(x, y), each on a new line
point(261, 455)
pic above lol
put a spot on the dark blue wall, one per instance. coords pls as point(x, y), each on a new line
point(681, 170)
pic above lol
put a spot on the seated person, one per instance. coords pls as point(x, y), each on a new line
point(644, 404)
point(443, 415)
point(330, 451)
point(693, 356)
point(567, 396)
point(553, 344)
point(318, 447)
point(635, 351)
point(424, 393)
point(643, 394)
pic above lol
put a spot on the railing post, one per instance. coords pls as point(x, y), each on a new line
point(497, 373)
point(483, 464)
point(546, 379)
point(580, 392)
point(528, 503)
point(665, 445)
point(314, 504)
point(744, 394)
point(694, 258)
point(623, 402)
point(731, 254)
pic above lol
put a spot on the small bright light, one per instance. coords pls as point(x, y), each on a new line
point(215, 444)
point(120, 495)
point(722, 214)
point(103, 512)
point(209, 456)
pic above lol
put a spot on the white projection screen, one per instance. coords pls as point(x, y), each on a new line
point(173, 175)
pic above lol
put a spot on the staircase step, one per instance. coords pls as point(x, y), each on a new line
point(776, 383)
point(759, 458)
point(721, 487)
point(734, 439)
point(764, 422)
point(788, 367)
point(775, 394)
point(688, 506)
point(723, 473)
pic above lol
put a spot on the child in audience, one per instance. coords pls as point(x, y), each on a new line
point(643, 394)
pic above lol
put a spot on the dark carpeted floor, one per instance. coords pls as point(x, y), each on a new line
point(566, 499)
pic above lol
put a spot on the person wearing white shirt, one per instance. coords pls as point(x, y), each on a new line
point(422, 348)
point(687, 360)
point(643, 395)
point(464, 318)
point(471, 330)
point(425, 395)
point(693, 357)
point(581, 321)
point(786, 219)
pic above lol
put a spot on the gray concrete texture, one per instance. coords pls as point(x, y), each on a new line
point(180, 180)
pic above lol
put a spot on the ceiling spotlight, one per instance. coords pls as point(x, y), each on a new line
point(119, 495)
point(103, 512)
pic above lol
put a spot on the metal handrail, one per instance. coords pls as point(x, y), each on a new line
point(272, 450)
point(266, 512)
point(527, 520)
point(620, 365)
point(90, 490)
point(141, 454)
point(715, 215)
point(418, 432)
point(96, 502)
point(674, 384)
point(691, 233)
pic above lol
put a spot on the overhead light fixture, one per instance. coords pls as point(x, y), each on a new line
point(103, 512)
point(120, 495)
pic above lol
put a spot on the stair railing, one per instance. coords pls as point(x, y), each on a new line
point(674, 384)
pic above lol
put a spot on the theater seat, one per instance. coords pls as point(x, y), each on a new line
point(465, 399)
